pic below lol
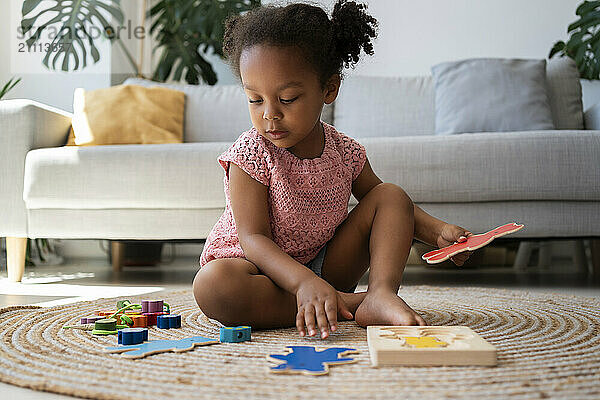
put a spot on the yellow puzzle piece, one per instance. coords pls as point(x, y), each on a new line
point(424, 341)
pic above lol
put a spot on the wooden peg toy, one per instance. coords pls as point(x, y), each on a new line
point(152, 306)
point(160, 346)
point(139, 321)
point(106, 326)
point(306, 360)
point(84, 327)
point(105, 313)
point(129, 336)
point(122, 303)
point(90, 320)
point(151, 317)
point(168, 321)
point(112, 314)
point(472, 243)
point(428, 345)
point(235, 334)
point(128, 304)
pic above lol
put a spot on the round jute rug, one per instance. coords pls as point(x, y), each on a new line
point(548, 347)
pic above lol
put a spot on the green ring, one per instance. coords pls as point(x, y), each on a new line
point(107, 324)
point(103, 332)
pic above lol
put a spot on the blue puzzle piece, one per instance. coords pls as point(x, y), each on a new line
point(160, 346)
point(235, 334)
point(306, 360)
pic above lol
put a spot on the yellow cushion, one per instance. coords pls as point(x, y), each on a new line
point(127, 114)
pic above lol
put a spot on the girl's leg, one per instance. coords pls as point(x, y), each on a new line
point(378, 233)
point(234, 292)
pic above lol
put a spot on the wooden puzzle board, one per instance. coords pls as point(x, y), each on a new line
point(428, 345)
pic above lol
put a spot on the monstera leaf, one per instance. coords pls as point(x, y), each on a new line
point(184, 29)
point(584, 44)
point(73, 21)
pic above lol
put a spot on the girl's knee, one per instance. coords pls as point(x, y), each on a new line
point(391, 193)
point(215, 288)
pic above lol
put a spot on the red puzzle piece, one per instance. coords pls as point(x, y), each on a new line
point(472, 243)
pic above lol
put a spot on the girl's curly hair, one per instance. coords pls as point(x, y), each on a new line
point(327, 44)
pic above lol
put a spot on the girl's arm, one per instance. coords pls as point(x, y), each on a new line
point(249, 202)
point(318, 302)
point(427, 228)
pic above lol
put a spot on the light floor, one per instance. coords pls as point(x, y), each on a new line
point(87, 279)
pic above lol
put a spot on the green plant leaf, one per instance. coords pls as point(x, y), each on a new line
point(8, 86)
point(184, 29)
point(558, 46)
point(586, 21)
point(580, 54)
point(29, 5)
point(586, 7)
point(583, 45)
point(73, 21)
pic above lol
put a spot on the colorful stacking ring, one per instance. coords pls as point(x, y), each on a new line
point(91, 320)
point(139, 321)
point(152, 317)
point(106, 313)
point(106, 326)
point(152, 306)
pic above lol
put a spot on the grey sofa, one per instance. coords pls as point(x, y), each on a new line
point(547, 180)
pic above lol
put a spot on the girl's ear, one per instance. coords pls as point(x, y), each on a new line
point(332, 88)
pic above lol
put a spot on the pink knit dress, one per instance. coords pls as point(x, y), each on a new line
point(308, 198)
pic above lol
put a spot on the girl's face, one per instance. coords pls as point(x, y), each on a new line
point(285, 97)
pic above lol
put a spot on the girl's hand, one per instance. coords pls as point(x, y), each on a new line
point(451, 234)
point(319, 302)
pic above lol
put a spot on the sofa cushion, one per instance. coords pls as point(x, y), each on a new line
point(507, 166)
point(564, 91)
point(137, 115)
point(212, 113)
point(491, 95)
point(178, 175)
point(215, 113)
point(369, 106)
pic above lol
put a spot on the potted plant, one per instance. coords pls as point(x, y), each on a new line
point(583, 46)
point(185, 30)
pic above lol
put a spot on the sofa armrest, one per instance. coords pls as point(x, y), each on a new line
point(591, 117)
point(24, 125)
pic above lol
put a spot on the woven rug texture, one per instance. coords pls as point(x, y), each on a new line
point(548, 347)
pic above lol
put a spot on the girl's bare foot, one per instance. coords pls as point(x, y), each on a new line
point(352, 300)
point(385, 308)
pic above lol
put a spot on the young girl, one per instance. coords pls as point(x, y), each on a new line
point(286, 250)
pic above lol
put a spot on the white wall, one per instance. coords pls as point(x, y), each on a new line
point(417, 34)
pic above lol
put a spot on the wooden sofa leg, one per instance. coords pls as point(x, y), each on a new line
point(523, 255)
point(595, 248)
point(15, 257)
point(117, 249)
